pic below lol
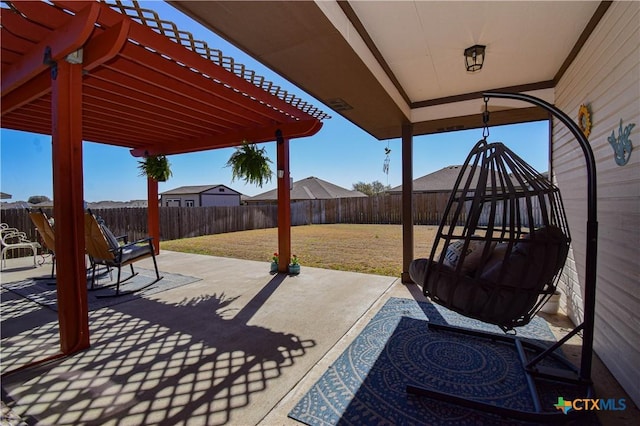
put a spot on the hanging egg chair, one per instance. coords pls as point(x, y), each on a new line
point(498, 255)
point(502, 243)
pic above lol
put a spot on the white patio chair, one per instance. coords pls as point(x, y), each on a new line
point(13, 239)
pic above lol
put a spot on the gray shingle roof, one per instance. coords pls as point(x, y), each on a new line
point(310, 188)
point(441, 180)
point(194, 189)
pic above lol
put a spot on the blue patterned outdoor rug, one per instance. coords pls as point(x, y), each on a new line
point(43, 291)
point(367, 383)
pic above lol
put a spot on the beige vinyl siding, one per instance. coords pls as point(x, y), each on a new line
point(606, 75)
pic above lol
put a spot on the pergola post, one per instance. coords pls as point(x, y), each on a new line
point(153, 213)
point(71, 282)
point(284, 202)
point(407, 201)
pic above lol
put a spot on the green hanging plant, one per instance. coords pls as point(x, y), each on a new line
point(251, 164)
point(156, 167)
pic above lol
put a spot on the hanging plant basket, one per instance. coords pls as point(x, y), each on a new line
point(251, 164)
point(156, 167)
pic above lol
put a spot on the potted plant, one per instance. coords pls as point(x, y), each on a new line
point(156, 167)
point(251, 164)
point(274, 263)
point(294, 265)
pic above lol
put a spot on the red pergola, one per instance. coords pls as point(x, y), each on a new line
point(115, 74)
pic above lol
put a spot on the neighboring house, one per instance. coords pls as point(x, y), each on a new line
point(310, 188)
point(43, 205)
point(92, 205)
point(117, 204)
point(5, 196)
point(442, 180)
point(200, 196)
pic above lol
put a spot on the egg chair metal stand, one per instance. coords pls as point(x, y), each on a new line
point(498, 255)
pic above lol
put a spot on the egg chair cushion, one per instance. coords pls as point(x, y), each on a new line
point(471, 259)
point(506, 288)
point(532, 263)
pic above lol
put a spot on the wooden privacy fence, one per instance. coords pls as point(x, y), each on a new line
point(184, 222)
point(381, 209)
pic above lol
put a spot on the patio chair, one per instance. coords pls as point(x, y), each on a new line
point(47, 235)
point(12, 239)
point(104, 249)
point(6, 227)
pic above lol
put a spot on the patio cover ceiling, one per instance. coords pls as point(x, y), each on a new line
point(139, 91)
point(382, 64)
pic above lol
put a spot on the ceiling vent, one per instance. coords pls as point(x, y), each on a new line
point(338, 104)
point(450, 128)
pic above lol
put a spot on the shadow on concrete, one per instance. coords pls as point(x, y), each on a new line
point(161, 363)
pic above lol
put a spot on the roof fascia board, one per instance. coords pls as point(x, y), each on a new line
point(336, 15)
point(474, 121)
point(479, 95)
point(474, 106)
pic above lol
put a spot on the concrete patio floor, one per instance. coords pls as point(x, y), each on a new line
point(239, 346)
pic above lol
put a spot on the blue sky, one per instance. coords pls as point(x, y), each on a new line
point(340, 153)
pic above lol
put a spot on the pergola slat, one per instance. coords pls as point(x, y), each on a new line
point(154, 94)
point(162, 86)
point(118, 104)
point(188, 82)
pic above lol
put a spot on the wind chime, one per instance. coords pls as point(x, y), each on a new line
point(387, 160)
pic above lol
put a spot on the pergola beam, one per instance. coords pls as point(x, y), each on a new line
point(255, 135)
point(106, 46)
point(38, 87)
point(66, 40)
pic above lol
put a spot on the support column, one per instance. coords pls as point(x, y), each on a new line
point(153, 213)
point(284, 202)
point(66, 111)
point(407, 201)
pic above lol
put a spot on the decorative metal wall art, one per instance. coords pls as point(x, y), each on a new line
point(584, 119)
point(622, 144)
